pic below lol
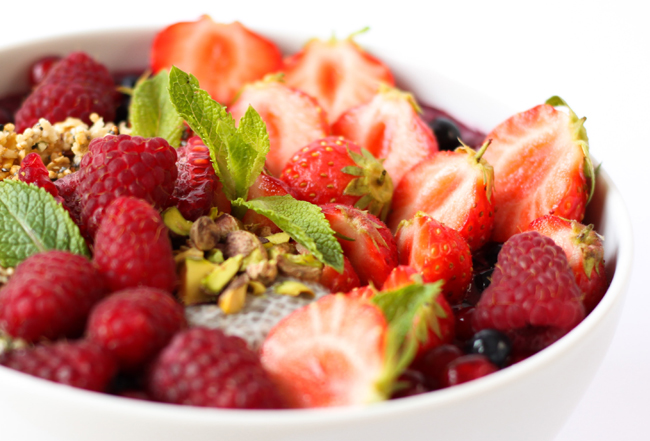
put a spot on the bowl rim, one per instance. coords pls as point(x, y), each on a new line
point(298, 417)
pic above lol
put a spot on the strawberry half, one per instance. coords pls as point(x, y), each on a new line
point(389, 127)
point(541, 166)
point(584, 251)
point(365, 240)
point(263, 186)
point(437, 252)
point(223, 57)
point(293, 119)
point(455, 188)
point(338, 73)
point(334, 169)
point(335, 282)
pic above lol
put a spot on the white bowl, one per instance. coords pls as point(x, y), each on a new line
point(528, 401)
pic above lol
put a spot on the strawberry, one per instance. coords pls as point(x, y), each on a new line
point(437, 252)
point(437, 318)
point(533, 297)
point(264, 185)
point(541, 166)
point(329, 353)
point(223, 57)
point(338, 73)
point(389, 127)
point(363, 292)
point(334, 169)
point(336, 282)
point(584, 250)
point(365, 240)
point(455, 188)
point(293, 119)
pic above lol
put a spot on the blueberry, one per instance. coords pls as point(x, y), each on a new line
point(495, 345)
point(447, 133)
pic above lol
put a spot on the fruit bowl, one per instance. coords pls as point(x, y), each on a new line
point(529, 400)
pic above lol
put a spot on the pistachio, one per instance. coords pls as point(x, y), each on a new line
point(278, 238)
point(242, 242)
point(256, 288)
point(283, 248)
point(293, 288)
point(233, 298)
point(303, 267)
point(221, 275)
point(265, 271)
point(175, 222)
point(227, 223)
point(187, 253)
point(191, 275)
point(204, 234)
point(215, 255)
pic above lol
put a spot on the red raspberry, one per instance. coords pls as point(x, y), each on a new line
point(197, 188)
point(39, 70)
point(125, 166)
point(50, 296)
point(467, 368)
point(132, 247)
point(135, 324)
point(75, 87)
point(67, 190)
point(75, 363)
point(205, 367)
point(533, 293)
point(33, 171)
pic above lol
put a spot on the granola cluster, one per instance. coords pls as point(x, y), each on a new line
point(61, 145)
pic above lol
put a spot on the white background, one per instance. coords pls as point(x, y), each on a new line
point(596, 55)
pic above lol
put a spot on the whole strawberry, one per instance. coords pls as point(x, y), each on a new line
point(335, 170)
point(49, 296)
point(365, 240)
point(135, 324)
point(124, 166)
point(584, 250)
point(197, 187)
point(335, 282)
point(533, 297)
point(205, 367)
point(80, 364)
point(437, 252)
point(455, 188)
point(132, 247)
point(75, 87)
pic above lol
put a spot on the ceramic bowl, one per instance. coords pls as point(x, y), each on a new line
point(528, 401)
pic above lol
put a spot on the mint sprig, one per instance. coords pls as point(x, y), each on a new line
point(152, 113)
point(31, 221)
point(304, 222)
point(238, 153)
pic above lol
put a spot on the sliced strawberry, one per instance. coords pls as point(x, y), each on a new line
point(263, 186)
point(435, 324)
point(363, 292)
point(334, 169)
point(437, 252)
point(389, 127)
point(365, 240)
point(455, 188)
point(223, 57)
point(541, 166)
point(584, 251)
point(330, 353)
point(293, 119)
point(344, 282)
point(338, 73)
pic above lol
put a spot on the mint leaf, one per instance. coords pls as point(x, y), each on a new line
point(238, 154)
point(402, 309)
point(304, 222)
point(152, 112)
point(31, 221)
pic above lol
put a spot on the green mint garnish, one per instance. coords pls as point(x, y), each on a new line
point(402, 309)
point(31, 221)
point(238, 153)
point(304, 222)
point(152, 112)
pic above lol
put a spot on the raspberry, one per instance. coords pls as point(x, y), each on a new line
point(33, 171)
point(76, 363)
point(76, 86)
point(197, 188)
point(205, 367)
point(50, 296)
point(132, 247)
point(467, 368)
point(135, 324)
point(67, 190)
point(124, 166)
point(533, 293)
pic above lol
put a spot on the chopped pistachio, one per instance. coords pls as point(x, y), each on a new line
point(188, 253)
point(227, 223)
point(279, 238)
point(217, 280)
point(293, 288)
point(242, 242)
point(256, 288)
point(175, 221)
point(283, 248)
point(303, 267)
point(191, 275)
point(233, 299)
point(265, 271)
point(215, 255)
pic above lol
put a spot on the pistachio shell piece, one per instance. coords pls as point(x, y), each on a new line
point(204, 234)
point(264, 272)
point(242, 242)
point(303, 267)
point(293, 288)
